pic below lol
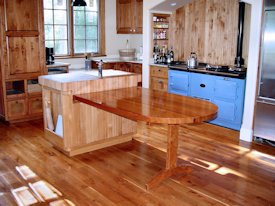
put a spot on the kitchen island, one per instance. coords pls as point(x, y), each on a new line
point(79, 128)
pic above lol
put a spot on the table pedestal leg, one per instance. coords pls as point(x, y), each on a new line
point(171, 159)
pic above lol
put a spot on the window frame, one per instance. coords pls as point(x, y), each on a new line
point(70, 32)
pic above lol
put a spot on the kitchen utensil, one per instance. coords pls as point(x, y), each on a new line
point(192, 61)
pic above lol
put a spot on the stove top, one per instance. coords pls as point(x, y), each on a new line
point(221, 70)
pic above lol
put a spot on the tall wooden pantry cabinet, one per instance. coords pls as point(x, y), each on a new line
point(22, 59)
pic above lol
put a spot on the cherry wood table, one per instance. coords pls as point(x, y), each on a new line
point(140, 104)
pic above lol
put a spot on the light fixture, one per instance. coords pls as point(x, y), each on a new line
point(173, 4)
point(79, 3)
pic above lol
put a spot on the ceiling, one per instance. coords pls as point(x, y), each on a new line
point(170, 5)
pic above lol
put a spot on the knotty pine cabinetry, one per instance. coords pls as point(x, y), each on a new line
point(159, 78)
point(129, 16)
point(22, 59)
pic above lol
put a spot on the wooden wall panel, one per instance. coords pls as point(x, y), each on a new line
point(207, 27)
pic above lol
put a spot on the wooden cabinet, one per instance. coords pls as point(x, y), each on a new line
point(35, 105)
point(22, 57)
point(123, 66)
point(129, 16)
point(17, 108)
point(136, 68)
point(159, 78)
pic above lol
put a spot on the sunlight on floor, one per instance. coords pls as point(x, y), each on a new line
point(262, 158)
point(211, 166)
point(35, 191)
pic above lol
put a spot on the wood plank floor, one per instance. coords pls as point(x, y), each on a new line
point(226, 171)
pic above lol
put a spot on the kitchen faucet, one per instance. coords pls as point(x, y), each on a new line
point(100, 64)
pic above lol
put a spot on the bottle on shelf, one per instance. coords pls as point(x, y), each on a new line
point(171, 54)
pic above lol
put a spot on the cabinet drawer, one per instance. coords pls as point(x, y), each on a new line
point(202, 86)
point(35, 105)
point(159, 84)
point(17, 108)
point(161, 72)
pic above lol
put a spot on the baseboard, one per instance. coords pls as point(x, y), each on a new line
point(246, 134)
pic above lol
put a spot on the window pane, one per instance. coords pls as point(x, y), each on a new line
point(60, 17)
point(60, 32)
point(91, 46)
point(91, 18)
point(60, 4)
point(79, 46)
point(92, 5)
point(48, 32)
point(91, 32)
point(61, 47)
point(79, 32)
point(79, 17)
point(79, 8)
point(49, 44)
point(48, 4)
point(48, 16)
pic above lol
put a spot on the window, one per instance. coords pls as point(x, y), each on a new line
point(71, 36)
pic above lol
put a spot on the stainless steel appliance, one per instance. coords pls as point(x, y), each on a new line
point(264, 125)
point(192, 61)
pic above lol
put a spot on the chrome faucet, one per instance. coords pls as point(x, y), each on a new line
point(100, 64)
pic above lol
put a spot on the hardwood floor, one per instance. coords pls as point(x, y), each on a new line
point(226, 171)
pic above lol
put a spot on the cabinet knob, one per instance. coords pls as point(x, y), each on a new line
point(202, 85)
point(160, 81)
point(134, 30)
point(131, 30)
point(159, 70)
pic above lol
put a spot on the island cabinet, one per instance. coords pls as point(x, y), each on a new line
point(22, 59)
point(74, 127)
point(129, 16)
point(227, 93)
point(159, 78)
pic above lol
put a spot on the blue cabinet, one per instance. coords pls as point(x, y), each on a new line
point(178, 82)
point(229, 97)
point(227, 93)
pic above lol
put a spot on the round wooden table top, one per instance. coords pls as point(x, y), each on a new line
point(140, 104)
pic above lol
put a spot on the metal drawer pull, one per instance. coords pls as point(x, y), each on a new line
point(202, 85)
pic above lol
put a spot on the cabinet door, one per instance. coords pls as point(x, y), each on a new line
point(137, 68)
point(21, 15)
point(225, 88)
point(23, 55)
point(17, 109)
point(227, 110)
point(35, 105)
point(137, 21)
point(178, 82)
point(202, 86)
point(158, 84)
point(124, 16)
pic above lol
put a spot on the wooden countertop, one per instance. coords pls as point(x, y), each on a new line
point(140, 104)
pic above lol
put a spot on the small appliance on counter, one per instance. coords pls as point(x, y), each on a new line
point(192, 61)
point(49, 56)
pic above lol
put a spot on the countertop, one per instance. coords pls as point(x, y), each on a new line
point(83, 75)
point(79, 81)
